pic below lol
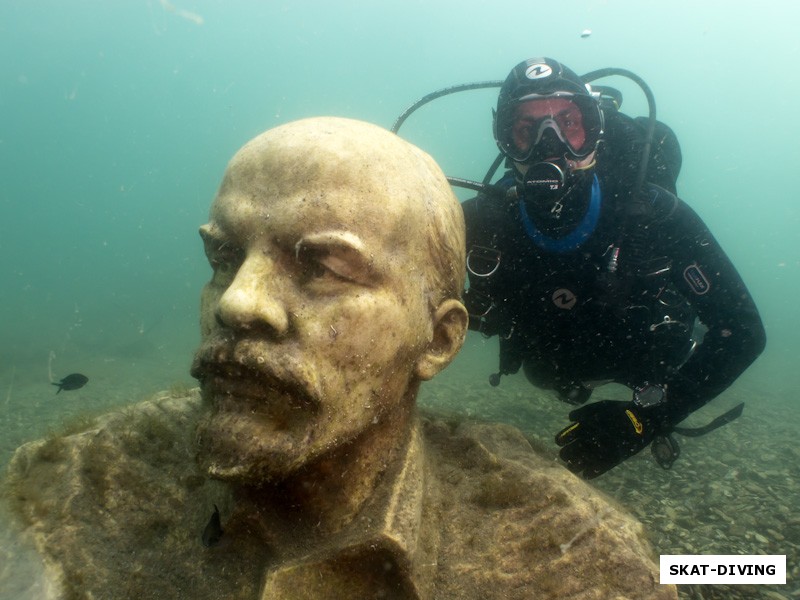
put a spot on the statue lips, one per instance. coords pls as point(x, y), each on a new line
point(253, 387)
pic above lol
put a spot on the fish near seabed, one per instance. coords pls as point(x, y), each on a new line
point(73, 381)
point(213, 531)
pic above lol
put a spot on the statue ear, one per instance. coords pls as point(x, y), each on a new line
point(449, 331)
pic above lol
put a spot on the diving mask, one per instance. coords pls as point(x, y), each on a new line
point(540, 127)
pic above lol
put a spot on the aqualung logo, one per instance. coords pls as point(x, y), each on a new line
point(564, 298)
point(538, 71)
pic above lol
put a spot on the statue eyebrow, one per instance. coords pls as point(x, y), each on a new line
point(344, 239)
point(211, 235)
point(214, 239)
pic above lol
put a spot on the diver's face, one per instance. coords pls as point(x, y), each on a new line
point(311, 324)
point(564, 113)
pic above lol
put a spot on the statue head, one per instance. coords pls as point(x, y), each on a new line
point(337, 252)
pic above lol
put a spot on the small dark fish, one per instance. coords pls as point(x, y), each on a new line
point(72, 382)
point(213, 531)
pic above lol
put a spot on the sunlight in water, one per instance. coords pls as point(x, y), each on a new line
point(184, 14)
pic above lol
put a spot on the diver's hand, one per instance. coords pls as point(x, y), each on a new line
point(603, 434)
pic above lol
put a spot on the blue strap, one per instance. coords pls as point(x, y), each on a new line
point(574, 239)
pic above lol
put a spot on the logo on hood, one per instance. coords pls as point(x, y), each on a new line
point(538, 71)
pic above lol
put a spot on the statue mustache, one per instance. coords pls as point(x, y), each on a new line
point(255, 360)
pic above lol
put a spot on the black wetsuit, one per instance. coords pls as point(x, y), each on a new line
point(623, 306)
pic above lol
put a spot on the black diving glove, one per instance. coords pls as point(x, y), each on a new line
point(605, 433)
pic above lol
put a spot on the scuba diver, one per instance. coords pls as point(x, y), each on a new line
point(590, 270)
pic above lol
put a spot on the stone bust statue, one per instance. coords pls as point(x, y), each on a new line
point(335, 291)
point(302, 468)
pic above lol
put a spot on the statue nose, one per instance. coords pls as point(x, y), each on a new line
point(255, 299)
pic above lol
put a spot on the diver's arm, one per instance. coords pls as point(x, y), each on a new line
point(735, 337)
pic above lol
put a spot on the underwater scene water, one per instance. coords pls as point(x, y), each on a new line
point(118, 119)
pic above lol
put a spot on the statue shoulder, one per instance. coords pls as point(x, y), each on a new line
point(122, 484)
point(165, 416)
point(511, 514)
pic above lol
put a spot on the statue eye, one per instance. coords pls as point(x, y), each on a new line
point(318, 264)
point(225, 260)
point(312, 268)
point(334, 260)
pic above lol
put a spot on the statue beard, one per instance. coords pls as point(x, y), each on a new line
point(238, 444)
point(261, 413)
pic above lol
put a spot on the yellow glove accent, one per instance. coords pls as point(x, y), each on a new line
point(563, 433)
point(637, 425)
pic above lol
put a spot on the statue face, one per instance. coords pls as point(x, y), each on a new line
point(316, 312)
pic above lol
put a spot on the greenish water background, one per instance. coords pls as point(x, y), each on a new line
point(117, 119)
